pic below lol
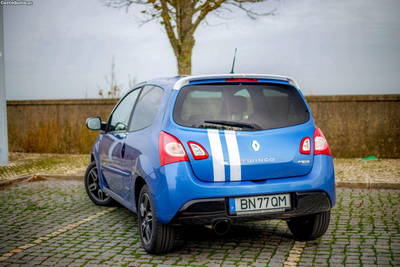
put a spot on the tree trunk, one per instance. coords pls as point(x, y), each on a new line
point(184, 65)
point(184, 58)
point(184, 37)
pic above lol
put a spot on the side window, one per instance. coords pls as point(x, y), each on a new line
point(146, 107)
point(120, 117)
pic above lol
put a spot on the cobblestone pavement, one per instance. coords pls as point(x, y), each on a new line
point(54, 223)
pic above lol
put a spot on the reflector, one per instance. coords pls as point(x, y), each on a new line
point(305, 146)
point(197, 150)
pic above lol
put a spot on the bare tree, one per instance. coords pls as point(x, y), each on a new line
point(115, 88)
point(181, 19)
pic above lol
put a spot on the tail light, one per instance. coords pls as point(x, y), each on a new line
point(320, 144)
point(171, 149)
point(197, 150)
point(305, 146)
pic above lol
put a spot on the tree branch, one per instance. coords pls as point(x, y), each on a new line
point(207, 7)
point(122, 3)
point(144, 21)
point(249, 12)
point(168, 26)
point(207, 4)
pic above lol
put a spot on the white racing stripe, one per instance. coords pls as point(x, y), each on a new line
point(234, 156)
point(217, 155)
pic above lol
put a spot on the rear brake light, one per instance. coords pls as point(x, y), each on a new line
point(320, 144)
point(197, 150)
point(241, 80)
point(305, 146)
point(171, 149)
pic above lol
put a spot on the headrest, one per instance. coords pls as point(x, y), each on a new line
point(238, 105)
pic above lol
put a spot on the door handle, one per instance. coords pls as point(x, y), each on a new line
point(123, 151)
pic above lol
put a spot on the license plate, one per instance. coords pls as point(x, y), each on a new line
point(259, 204)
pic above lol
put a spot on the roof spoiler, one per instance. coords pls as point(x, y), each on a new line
point(185, 80)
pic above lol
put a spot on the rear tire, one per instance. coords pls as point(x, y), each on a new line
point(310, 227)
point(156, 238)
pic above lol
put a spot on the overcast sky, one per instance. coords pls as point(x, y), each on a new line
point(62, 49)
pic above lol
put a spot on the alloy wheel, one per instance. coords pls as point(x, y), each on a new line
point(146, 218)
point(94, 186)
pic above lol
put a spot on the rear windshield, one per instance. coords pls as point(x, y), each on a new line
point(248, 107)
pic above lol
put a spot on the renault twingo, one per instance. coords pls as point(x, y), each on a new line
point(213, 150)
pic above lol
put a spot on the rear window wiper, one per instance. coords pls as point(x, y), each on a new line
point(252, 126)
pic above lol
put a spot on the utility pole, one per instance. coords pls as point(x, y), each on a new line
point(3, 102)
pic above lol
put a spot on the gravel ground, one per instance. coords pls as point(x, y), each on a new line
point(385, 170)
point(382, 170)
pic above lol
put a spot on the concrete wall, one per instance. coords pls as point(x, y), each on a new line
point(355, 126)
point(359, 126)
point(54, 126)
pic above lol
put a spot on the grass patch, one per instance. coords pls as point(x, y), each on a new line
point(33, 163)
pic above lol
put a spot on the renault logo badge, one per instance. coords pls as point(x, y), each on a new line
point(255, 145)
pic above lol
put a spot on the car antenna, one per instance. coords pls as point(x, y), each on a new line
point(233, 64)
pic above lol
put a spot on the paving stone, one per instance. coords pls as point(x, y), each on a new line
point(363, 231)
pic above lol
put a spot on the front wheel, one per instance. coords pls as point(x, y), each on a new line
point(310, 227)
point(92, 186)
point(156, 238)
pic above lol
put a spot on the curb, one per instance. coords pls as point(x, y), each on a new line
point(63, 177)
point(39, 177)
point(15, 180)
point(72, 177)
point(368, 185)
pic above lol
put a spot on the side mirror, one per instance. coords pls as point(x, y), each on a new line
point(94, 123)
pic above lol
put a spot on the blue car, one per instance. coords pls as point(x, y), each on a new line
point(213, 150)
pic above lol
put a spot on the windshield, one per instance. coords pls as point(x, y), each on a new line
point(247, 107)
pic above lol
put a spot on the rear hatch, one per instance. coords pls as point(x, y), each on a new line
point(250, 130)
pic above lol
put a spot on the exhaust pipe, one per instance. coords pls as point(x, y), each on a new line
point(221, 227)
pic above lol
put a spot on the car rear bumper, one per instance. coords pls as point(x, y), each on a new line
point(175, 190)
point(208, 211)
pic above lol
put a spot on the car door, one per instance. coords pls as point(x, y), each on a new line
point(140, 149)
point(112, 146)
